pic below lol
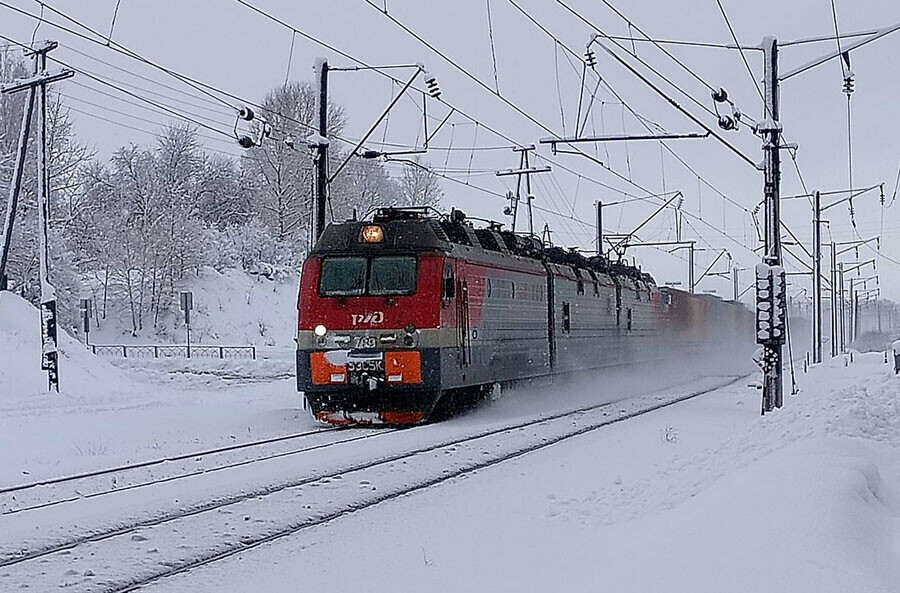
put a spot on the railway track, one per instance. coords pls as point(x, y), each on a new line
point(177, 542)
point(47, 493)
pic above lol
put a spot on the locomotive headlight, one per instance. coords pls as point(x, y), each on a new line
point(371, 233)
point(320, 330)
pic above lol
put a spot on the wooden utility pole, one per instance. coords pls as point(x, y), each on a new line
point(37, 89)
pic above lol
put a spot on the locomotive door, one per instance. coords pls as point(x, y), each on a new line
point(464, 337)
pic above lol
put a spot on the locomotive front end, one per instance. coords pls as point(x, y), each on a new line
point(368, 340)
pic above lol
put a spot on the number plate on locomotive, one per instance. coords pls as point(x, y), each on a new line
point(365, 342)
point(365, 366)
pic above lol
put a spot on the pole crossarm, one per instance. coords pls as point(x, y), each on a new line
point(854, 244)
point(837, 53)
point(835, 192)
point(858, 265)
point(553, 141)
point(711, 266)
point(43, 78)
point(508, 172)
point(649, 218)
point(851, 196)
point(378, 121)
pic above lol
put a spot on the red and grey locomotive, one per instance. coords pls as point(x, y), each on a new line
point(409, 307)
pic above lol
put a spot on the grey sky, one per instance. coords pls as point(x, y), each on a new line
point(228, 45)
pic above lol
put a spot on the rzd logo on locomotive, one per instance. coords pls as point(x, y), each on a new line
point(370, 318)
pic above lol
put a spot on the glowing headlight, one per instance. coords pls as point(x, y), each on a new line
point(371, 233)
point(320, 330)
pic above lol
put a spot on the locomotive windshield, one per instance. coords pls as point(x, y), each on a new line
point(343, 276)
point(392, 275)
point(377, 276)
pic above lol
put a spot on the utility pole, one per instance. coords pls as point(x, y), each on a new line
point(734, 282)
point(834, 301)
point(528, 197)
point(525, 170)
point(691, 267)
point(37, 90)
point(599, 227)
point(817, 277)
point(770, 283)
point(15, 184)
point(49, 319)
point(321, 146)
point(841, 315)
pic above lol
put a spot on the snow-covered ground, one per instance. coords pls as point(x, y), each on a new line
point(231, 307)
point(107, 414)
point(705, 495)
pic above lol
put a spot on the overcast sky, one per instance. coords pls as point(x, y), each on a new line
point(227, 45)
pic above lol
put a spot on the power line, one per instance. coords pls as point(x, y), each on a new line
point(456, 109)
point(140, 105)
point(625, 104)
point(743, 56)
point(152, 81)
point(106, 42)
point(135, 117)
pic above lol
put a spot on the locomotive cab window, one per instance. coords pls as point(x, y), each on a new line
point(390, 275)
point(343, 276)
point(378, 276)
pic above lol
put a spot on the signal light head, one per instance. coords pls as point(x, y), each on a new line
point(371, 233)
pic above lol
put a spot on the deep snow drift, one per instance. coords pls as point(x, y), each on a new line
point(106, 415)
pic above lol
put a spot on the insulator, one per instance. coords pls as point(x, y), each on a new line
point(590, 58)
point(432, 85)
point(245, 113)
point(246, 142)
point(848, 85)
point(726, 122)
point(720, 96)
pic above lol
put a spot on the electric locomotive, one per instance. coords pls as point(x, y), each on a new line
point(409, 307)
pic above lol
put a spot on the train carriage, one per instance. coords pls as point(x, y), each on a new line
point(400, 311)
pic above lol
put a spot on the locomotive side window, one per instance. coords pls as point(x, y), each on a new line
point(343, 276)
point(392, 275)
point(448, 283)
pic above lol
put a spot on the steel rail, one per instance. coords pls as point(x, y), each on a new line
point(244, 545)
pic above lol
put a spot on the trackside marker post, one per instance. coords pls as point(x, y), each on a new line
point(187, 303)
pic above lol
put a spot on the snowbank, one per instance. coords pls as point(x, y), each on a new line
point(83, 376)
point(106, 415)
point(231, 307)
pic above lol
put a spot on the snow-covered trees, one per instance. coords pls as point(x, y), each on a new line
point(66, 158)
point(131, 228)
